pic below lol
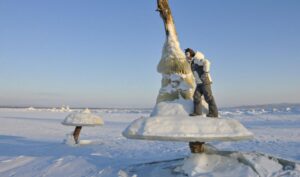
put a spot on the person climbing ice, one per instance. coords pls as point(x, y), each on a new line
point(200, 67)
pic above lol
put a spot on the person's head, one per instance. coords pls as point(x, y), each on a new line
point(189, 53)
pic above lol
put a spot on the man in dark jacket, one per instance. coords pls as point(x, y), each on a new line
point(200, 67)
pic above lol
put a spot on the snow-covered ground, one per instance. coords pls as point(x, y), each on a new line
point(31, 142)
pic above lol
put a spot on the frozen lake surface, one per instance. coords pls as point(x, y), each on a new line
point(31, 141)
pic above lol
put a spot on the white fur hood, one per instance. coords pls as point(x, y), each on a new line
point(199, 56)
point(199, 59)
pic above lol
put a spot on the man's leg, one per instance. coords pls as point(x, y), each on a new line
point(212, 107)
point(197, 102)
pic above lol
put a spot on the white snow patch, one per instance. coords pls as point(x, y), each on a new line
point(176, 83)
point(177, 107)
point(215, 165)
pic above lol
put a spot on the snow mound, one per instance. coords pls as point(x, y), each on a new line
point(238, 165)
point(61, 109)
point(83, 118)
point(177, 107)
point(218, 164)
point(31, 108)
point(184, 128)
point(69, 140)
point(255, 110)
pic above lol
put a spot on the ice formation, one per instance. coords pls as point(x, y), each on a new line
point(170, 119)
point(177, 77)
point(83, 118)
point(184, 128)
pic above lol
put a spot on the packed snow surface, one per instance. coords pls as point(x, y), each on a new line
point(31, 144)
point(178, 107)
point(185, 128)
point(83, 118)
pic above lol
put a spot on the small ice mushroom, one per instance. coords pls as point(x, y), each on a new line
point(80, 119)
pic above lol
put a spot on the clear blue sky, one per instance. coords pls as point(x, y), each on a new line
point(104, 53)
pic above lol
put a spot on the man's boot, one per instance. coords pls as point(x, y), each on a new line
point(212, 109)
point(197, 109)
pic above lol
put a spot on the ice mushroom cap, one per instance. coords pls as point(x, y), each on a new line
point(187, 129)
point(83, 118)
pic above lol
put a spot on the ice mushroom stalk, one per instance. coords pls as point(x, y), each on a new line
point(76, 133)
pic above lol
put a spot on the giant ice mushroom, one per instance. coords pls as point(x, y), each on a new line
point(169, 120)
point(80, 119)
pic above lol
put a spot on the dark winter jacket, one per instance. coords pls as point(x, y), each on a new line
point(201, 67)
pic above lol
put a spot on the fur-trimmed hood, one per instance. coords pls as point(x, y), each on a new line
point(199, 56)
point(200, 60)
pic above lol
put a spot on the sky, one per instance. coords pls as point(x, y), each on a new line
point(100, 53)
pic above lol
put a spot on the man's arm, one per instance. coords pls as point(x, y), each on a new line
point(205, 77)
point(206, 65)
